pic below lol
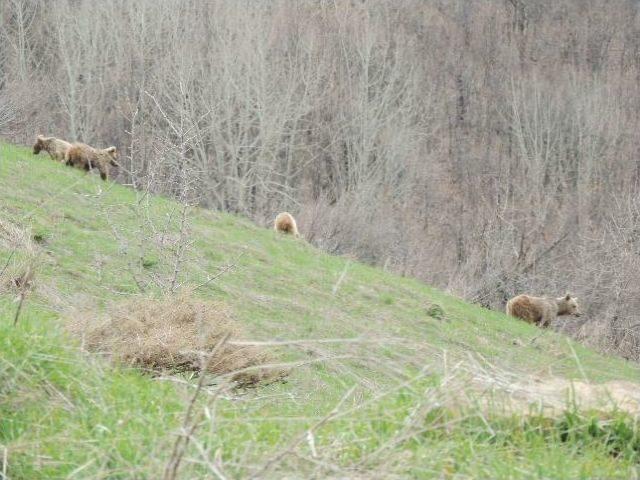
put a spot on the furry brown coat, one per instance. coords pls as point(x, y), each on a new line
point(541, 311)
point(55, 147)
point(86, 157)
point(285, 223)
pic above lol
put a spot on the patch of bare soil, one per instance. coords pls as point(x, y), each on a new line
point(521, 393)
point(557, 393)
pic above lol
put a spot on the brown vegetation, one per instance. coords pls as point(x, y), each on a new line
point(173, 334)
point(17, 271)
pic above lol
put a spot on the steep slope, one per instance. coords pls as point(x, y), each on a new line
point(390, 376)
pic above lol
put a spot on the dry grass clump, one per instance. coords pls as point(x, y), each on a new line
point(18, 267)
point(13, 236)
point(176, 334)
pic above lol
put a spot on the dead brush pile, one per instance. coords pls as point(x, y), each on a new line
point(174, 334)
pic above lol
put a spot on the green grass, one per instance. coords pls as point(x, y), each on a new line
point(67, 414)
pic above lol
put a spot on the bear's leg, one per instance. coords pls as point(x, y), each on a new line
point(545, 321)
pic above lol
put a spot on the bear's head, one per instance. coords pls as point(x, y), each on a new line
point(113, 155)
point(39, 145)
point(568, 305)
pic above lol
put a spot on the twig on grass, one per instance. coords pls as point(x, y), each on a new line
point(19, 309)
point(307, 341)
point(303, 436)
point(6, 265)
point(5, 454)
point(341, 278)
point(227, 268)
point(24, 283)
point(188, 424)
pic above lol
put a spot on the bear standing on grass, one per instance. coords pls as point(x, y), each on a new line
point(541, 311)
point(86, 157)
point(286, 223)
point(55, 147)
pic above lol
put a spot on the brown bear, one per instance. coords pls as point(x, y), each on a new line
point(55, 147)
point(286, 223)
point(541, 311)
point(86, 157)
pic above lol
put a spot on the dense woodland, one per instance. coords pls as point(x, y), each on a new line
point(486, 147)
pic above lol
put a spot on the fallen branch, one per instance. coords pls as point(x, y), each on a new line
point(226, 269)
point(19, 309)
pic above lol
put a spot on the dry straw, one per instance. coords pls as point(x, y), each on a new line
point(176, 333)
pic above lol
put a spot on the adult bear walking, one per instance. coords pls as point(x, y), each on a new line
point(541, 311)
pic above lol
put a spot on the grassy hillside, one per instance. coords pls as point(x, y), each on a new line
point(383, 366)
